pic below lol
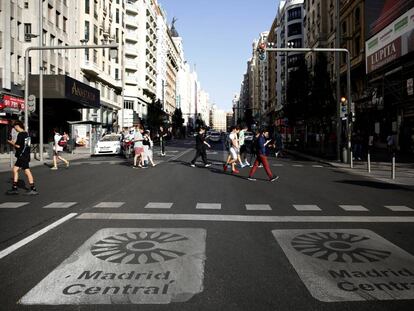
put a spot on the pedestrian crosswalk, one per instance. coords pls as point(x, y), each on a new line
point(217, 206)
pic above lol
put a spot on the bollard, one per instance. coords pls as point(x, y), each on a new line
point(369, 162)
point(393, 167)
point(351, 160)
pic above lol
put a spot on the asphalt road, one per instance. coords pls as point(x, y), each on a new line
point(104, 236)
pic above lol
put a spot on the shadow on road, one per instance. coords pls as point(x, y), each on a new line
point(374, 184)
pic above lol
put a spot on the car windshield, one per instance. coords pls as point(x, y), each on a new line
point(215, 134)
point(110, 138)
point(248, 134)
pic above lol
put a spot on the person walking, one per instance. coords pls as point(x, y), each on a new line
point(201, 146)
point(22, 147)
point(139, 147)
point(243, 148)
point(261, 158)
point(59, 142)
point(162, 135)
point(233, 150)
point(148, 145)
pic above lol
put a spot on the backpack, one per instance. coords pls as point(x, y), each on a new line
point(227, 142)
point(62, 142)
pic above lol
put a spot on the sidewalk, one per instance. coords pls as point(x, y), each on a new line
point(5, 162)
point(380, 171)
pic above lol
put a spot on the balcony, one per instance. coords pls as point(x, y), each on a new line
point(132, 80)
point(90, 68)
point(131, 50)
point(132, 8)
point(131, 35)
point(131, 21)
point(131, 64)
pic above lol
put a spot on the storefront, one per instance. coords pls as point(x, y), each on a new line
point(64, 99)
point(11, 108)
point(390, 70)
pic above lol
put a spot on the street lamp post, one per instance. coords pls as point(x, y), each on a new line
point(348, 75)
point(26, 88)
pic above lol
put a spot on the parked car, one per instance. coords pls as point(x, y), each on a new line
point(214, 137)
point(109, 144)
point(248, 137)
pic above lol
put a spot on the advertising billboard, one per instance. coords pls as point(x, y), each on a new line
point(392, 42)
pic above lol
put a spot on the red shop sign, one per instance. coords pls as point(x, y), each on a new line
point(14, 103)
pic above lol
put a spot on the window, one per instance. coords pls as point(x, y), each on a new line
point(87, 55)
point(50, 12)
point(52, 69)
point(331, 23)
point(26, 4)
point(18, 64)
point(60, 43)
point(357, 45)
point(95, 34)
point(87, 7)
point(87, 30)
point(117, 16)
point(27, 29)
point(294, 29)
point(44, 37)
point(128, 104)
point(296, 43)
point(65, 24)
point(116, 74)
point(117, 35)
point(344, 28)
point(357, 15)
point(95, 56)
point(295, 13)
point(57, 18)
point(52, 40)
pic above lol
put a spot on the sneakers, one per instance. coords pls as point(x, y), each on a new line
point(192, 165)
point(134, 167)
point(32, 192)
point(274, 179)
point(246, 163)
point(12, 192)
point(251, 179)
point(207, 165)
point(54, 168)
point(225, 167)
point(235, 171)
point(67, 164)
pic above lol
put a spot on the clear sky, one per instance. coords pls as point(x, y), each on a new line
point(218, 36)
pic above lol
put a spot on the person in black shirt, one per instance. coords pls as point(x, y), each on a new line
point(22, 146)
point(201, 148)
point(162, 134)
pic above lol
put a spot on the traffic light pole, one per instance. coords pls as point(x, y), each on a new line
point(26, 82)
point(348, 78)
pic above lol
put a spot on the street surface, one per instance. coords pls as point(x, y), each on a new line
point(104, 236)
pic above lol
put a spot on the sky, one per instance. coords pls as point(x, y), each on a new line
point(218, 36)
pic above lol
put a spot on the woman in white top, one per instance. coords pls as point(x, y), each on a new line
point(59, 141)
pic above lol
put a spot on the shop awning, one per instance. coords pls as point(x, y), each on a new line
point(64, 89)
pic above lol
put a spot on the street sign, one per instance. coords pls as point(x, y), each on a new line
point(31, 103)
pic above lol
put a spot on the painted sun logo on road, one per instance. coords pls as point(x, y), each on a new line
point(138, 247)
point(337, 247)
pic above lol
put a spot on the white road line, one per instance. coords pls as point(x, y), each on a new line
point(13, 204)
point(399, 208)
point(159, 205)
point(60, 205)
point(208, 206)
point(179, 155)
point(277, 165)
point(258, 207)
point(353, 208)
point(317, 166)
point(298, 165)
point(306, 207)
point(35, 235)
point(109, 205)
point(243, 218)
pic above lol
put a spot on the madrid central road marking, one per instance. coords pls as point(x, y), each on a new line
point(245, 218)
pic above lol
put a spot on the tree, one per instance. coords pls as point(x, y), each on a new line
point(177, 119)
point(155, 115)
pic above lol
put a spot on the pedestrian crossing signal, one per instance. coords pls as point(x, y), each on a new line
point(262, 51)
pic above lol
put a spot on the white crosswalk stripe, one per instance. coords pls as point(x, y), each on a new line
point(353, 208)
point(397, 208)
point(13, 204)
point(298, 165)
point(214, 206)
point(258, 207)
point(159, 205)
point(109, 205)
point(277, 165)
point(60, 205)
point(318, 166)
point(306, 207)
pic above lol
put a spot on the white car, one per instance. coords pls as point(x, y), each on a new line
point(109, 144)
point(214, 137)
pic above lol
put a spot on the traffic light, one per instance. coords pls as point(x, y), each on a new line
point(344, 108)
point(262, 51)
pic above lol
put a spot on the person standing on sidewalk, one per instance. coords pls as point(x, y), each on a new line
point(162, 135)
point(59, 142)
point(201, 145)
point(261, 158)
point(22, 146)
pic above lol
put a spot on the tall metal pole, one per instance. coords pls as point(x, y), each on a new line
point(338, 84)
point(41, 135)
point(349, 118)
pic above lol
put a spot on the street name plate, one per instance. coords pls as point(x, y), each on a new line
point(127, 266)
point(339, 265)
